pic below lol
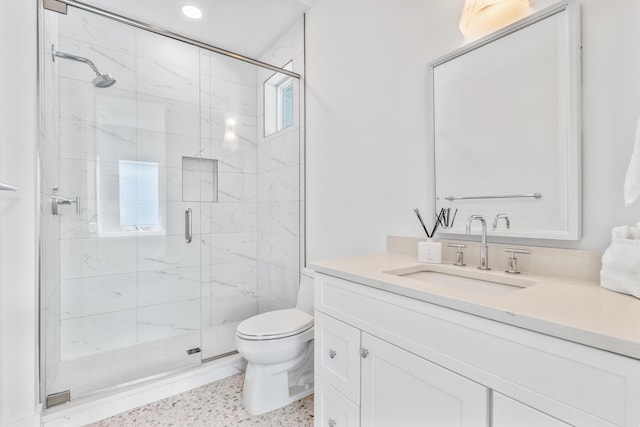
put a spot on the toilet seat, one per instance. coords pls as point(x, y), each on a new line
point(275, 324)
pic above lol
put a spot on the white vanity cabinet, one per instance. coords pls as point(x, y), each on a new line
point(384, 359)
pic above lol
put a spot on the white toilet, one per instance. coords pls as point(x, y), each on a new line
point(278, 347)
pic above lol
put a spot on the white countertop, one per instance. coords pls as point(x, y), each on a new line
point(575, 310)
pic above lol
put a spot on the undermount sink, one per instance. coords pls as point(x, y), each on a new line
point(483, 282)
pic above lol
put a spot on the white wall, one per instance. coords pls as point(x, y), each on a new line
point(368, 163)
point(610, 110)
point(368, 119)
point(18, 307)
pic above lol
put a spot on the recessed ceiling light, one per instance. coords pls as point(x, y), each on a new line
point(191, 12)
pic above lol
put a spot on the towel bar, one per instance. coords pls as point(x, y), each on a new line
point(508, 196)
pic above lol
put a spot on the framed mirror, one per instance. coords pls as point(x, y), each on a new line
point(506, 116)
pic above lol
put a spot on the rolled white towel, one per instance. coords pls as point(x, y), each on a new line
point(622, 274)
point(623, 254)
point(620, 232)
point(622, 281)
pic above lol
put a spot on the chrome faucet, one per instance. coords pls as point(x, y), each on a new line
point(484, 249)
point(507, 221)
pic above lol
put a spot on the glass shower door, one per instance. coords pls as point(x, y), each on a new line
point(123, 185)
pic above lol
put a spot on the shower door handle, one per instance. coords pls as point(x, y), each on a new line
point(56, 201)
point(188, 230)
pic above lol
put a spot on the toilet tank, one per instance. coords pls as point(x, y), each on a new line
point(305, 294)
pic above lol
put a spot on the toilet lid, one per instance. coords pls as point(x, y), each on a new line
point(275, 324)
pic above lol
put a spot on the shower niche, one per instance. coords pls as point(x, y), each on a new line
point(142, 129)
point(199, 173)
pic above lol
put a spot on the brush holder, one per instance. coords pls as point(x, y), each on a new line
point(430, 252)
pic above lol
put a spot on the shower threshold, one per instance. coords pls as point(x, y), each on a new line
point(124, 397)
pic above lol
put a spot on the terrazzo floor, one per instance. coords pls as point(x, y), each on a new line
point(216, 404)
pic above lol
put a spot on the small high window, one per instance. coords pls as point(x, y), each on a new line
point(285, 104)
point(278, 102)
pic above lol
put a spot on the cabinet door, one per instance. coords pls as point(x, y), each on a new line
point(332, 409)
point(508, 413)
point(336, 355)
point(402, 389)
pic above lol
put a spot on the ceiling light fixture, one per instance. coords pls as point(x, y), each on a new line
point(191, 11)
point(481, 17)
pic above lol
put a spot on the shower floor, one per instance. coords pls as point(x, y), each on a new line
point(215, 404)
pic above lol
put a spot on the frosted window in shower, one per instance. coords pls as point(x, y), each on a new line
point(139, 194)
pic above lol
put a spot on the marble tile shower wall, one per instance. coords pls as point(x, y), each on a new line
point(280, 180)
point(231, 240)
point(171, 100)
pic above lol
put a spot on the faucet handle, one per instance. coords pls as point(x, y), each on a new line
point(459, 255)
point(512, 261)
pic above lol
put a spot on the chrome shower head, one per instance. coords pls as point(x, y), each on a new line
point(101, 80)
point(104, 80)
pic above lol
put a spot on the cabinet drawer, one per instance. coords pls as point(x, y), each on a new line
point(332, 409)
point(337, 358)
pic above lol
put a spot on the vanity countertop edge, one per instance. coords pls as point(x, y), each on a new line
point(575, 310)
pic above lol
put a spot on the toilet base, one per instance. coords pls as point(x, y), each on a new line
point(269, 387)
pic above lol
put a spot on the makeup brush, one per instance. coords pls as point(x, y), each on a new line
point(421, 222)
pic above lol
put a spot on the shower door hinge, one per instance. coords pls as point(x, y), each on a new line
point(58, 398)
point(55, 5)
point(193, 351)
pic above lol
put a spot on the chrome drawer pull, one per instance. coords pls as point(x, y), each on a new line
point(332, 422)
point(332, 354)
point(364, 353)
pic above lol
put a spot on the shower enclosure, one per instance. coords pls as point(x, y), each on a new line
point(167, 215)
